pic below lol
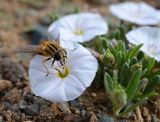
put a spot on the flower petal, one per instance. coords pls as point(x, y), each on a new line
point(138, 13)
point(82, 68)
point(82, 65)
point(90, 24)
point(149, 37)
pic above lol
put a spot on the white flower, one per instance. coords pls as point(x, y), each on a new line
point(80, 27)
point(149, 37)
point(80, 70)
point(138, 13)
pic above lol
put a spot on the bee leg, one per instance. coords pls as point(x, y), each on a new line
point(45, 66)
point(61, 63)
point(65, 56)
point(55, 65)
point(53, 62)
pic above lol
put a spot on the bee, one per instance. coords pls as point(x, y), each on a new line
point(50, 49)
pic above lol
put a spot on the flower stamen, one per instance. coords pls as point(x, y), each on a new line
point(62, 73)
point(79, 31)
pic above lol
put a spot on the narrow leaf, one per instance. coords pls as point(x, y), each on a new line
point(134, 51)
point(131, 89)
point(132, 107)
point(124, 74)
point(108, 83)
point(152, 84)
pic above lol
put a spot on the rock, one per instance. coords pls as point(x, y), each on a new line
point(9, 106)
point(28, 121)
point(8, 68)
point(28, 97)
point(77, 111)
point(94, 95)
point(146, 114)
point(105, 118)
point(74, 103)
point(93, 117)
point(82, 112)
point(64, 108)
point(46, 21)
point(22, 104)
point(122, 120)
point(30, 110)
point(154, 118)
point(41, 101)
point(36, 34)
point(5, 84)
point(1, 119)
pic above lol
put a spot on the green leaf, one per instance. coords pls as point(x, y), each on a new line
point(132, 107)
point(133, 61)
point(140, 55)
point(112, 49)
point(124, 74)
point(150, 65)
point(121, 46)
point(131, 89)
point(147, 95)
point(119, 58)
point(108, 83)
point(134, 51)
point(105, 42)
point(115, 77)
point(152, 84)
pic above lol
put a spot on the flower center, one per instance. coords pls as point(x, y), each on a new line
point(79, 31)
point(62, 73)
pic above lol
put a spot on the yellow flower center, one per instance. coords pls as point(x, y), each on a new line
point(63, 73)
point(79, 32)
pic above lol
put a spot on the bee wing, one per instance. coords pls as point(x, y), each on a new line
point(54, 34)
point(28, 49)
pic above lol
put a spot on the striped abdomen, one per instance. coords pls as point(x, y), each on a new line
point(52, 49)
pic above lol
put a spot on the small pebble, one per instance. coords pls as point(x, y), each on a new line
point(28, 121)
point(94, 95)
point(89, 108)
point(46, 21)
point(64, 108)
point(74, 103)
point(83, 112)
point(105, 118)
point(9, 106)
point(1, 119)
point(5, 84)
point(32, 110)
point(77, 111)
point(41, 101)
point(22, 104)
point(29, 97)
point(154, 118)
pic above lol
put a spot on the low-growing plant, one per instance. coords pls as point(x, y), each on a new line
point(128, 79)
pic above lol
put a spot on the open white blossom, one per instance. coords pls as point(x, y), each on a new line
point(149, 37)
point(138, 13)
point(80, 27)
point(79, 72)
